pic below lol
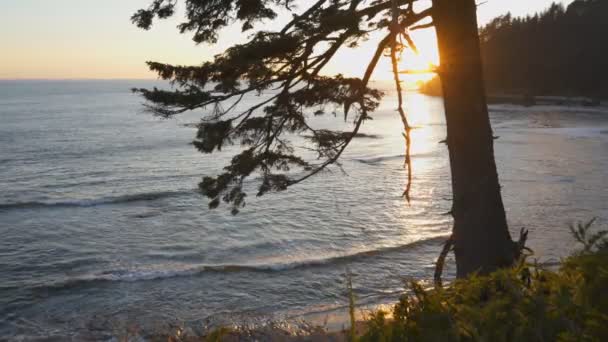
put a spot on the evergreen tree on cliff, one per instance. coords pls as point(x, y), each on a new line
point(555, 52)
point(290, 61)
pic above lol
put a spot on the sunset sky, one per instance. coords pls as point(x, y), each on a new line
point(73, 39)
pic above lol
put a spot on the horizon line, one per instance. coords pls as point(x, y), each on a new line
point(77, 79)
point(108, 79)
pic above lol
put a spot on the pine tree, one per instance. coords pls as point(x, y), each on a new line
point(291, 62)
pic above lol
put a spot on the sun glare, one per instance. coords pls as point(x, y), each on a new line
point(415, 68)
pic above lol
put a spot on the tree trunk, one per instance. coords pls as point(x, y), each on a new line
point(482, 242)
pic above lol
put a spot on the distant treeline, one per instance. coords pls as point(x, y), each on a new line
point(561, 51)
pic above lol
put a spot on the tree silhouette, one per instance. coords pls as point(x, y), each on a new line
point(555, 52)
point(290, 61)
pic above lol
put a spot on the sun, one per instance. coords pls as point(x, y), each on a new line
point(419, 67)
point(415, 63)
point(415, 67)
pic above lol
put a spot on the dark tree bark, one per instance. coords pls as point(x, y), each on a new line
point(481, 238)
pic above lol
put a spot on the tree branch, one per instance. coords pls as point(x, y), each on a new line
point(395, 32)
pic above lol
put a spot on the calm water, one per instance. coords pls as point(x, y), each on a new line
point(101, 224)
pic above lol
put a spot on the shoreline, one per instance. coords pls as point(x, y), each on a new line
point(534, 100)
point(527, 100)
point(332, 325)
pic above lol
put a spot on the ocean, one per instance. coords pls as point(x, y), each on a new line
point(102, 228)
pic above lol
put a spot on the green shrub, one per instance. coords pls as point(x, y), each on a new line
point(527, 303)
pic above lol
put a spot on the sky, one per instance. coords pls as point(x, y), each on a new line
point(73, 39)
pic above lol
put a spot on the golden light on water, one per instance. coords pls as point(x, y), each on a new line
point(419, 117)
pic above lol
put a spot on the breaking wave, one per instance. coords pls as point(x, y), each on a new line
point(173, 271)
point(149, 196)
point(382, 159)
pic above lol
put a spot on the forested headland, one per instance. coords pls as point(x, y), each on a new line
point(561, 51)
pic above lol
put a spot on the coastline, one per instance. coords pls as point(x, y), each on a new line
point(542, 100)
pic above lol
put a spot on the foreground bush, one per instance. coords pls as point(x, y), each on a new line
point(529, 303)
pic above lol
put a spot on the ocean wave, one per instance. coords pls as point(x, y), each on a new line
point(377, 160)
point(382, 159)
point(148, 196)
point(357, 135)
point(174, 271)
